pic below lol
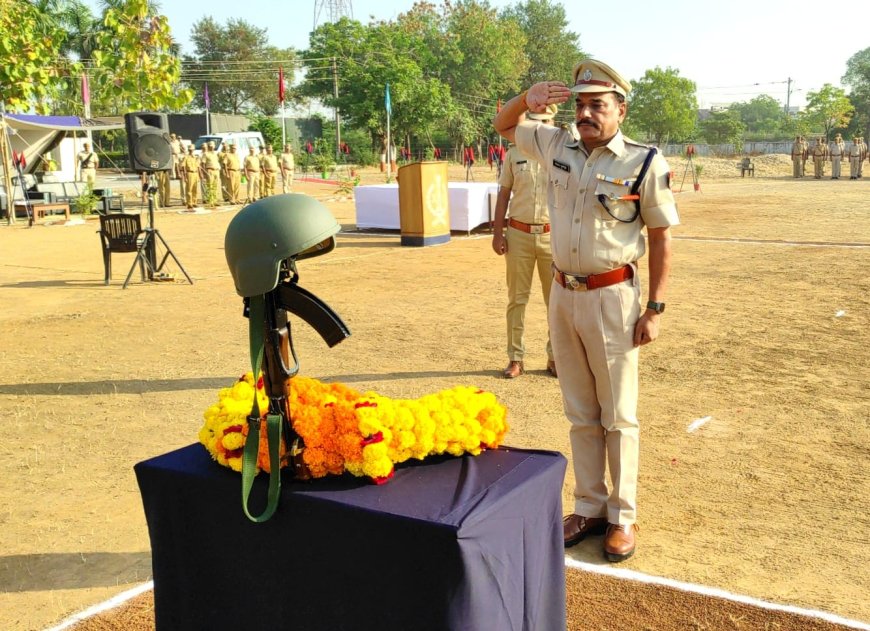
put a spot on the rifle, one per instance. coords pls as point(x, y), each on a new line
point(271, 340)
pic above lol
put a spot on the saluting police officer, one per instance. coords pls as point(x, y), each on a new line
point(522, 192)
point(602, 191)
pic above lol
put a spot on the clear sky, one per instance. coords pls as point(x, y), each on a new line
point(733, 50)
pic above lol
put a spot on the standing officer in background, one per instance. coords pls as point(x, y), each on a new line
point(177, 155)
point(225, 175)
point(820, 155)
point(836, 150)
point(252, 174)
point(288, 169)
point(596, 321)
point(269, 163)
point(190, 168)
point(864, 156)
point(798, 155)
point(526, 244)
point(211, 166)
point(163, 191)
point(88, 162)
point(234, 177)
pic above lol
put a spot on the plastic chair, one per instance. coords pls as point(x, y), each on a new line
point(121, 233)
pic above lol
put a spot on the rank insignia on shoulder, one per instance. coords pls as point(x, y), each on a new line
point(561, 165)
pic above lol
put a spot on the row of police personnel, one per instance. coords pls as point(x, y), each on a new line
point(217, 175)
point(835, 152)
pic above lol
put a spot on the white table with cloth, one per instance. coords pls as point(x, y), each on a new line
point(377, 206)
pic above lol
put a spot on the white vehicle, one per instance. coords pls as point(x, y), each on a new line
point(241, 139)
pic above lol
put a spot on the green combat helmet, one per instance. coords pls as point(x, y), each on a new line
point(266, 233)
point(263, 242)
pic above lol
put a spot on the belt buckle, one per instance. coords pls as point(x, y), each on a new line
point(575, 284)
point(536, 229)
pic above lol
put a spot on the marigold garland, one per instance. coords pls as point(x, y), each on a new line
point(364, 434)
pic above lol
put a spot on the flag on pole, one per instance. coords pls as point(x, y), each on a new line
point(387, 103)
point(205, 97)
point(281, 84)
point(86, 91)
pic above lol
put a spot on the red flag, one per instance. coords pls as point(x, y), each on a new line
point(86, 92)
point(281, 84)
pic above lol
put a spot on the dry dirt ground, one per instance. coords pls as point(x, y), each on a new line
point(766, 332)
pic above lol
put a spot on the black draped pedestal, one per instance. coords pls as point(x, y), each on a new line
point(471, 543)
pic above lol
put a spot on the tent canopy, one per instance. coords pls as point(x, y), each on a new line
point(34, 135)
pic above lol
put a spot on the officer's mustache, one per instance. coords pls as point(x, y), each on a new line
point(587, 122)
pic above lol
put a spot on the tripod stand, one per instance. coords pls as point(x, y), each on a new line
point(690, 164)
point(147, 252)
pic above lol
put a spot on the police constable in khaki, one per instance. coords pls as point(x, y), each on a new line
point(798, 156)
point(820, 156)
point(269, 164)
point(836, 150)
point(88, 162)
point(252, 174)
point(288, 168)
point(211, 166)
point(234, 177)
point(522, 190)
point(602, 191)
point(190, 168)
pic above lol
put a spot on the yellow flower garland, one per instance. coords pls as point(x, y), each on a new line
point(364, 434)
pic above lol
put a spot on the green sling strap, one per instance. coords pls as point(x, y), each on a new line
point(256, 315)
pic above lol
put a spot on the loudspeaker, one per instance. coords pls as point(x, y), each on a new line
point(148, 141)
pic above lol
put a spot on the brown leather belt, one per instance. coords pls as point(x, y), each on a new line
point(593, 281)
point(531, 228)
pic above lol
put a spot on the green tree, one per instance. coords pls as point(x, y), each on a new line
point(133, 59)
point(828, 108)
point(270, 129)
point(723, 127)
point(857, 77)
point(241, 69)
point(662, 105)
point(556, 50)
point(31, 64)
point(762, 116)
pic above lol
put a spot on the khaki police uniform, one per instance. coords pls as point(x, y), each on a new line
point(232, 165)
point(211, 166)
point(836, 150)
point(288, 169)
point(190, 167)
point(269, 164)
point(177, 156)
point(528, 244)
point(225, 176)
point(252, 173)
point(592, 330)
point(798, 155)
point(88, 163)
point(853, 155)
point(163, 192)
point(820, 155)
point(864, 156)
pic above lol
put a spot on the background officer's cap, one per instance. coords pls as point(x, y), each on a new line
point(591, 75)
point(549, 114)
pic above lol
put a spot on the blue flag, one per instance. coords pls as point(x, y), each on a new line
point(205, 97)
point(387, 102)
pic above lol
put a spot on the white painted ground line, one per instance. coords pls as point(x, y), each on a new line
point(629, 575)
point(115, 601)
point(713, 592)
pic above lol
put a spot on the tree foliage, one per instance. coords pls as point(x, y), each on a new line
point(556, 50)
point(763, 116)
point(238, 64)
point(857, 77)
point(723, 127)
point(662, 105)
point(827, 109)
point(30, 47)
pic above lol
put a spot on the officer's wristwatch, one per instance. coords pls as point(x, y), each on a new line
point(658, 307)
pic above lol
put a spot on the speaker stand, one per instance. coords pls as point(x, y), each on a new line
point(147, 252)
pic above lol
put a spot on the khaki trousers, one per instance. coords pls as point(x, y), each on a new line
point(191, 184)
point(592, 334)
point(854, 167)
point(235, 182)
point(797, 167)
point(525, 251)
point(253, 187)
point(89, 176)
point(269, 178)
point(163, 192)
point(835, 166)
point(819, 164)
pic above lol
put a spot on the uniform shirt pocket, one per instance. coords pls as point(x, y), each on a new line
point(558, 189)
point(610, 208)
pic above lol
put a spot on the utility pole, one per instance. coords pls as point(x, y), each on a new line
point(337, 118)
point(788, 97)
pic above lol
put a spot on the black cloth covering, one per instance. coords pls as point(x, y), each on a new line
point(471, 543)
